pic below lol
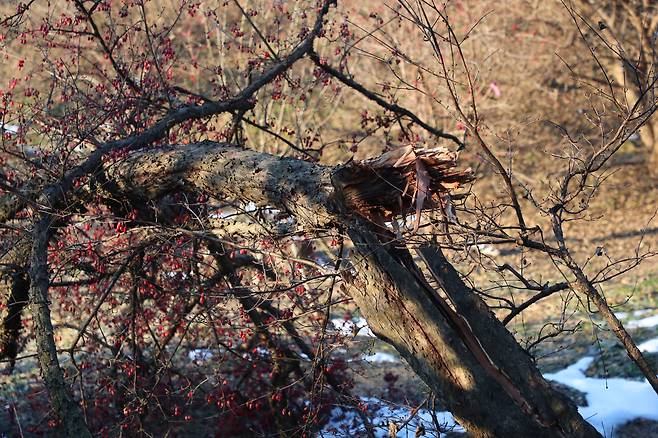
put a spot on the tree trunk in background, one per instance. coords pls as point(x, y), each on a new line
point(648, 139)
point(624, 75)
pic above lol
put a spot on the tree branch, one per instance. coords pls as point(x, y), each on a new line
point(351, 83)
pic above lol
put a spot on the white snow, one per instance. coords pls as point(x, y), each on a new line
point(380, 356)
point(173, 274)
point(624, 315)
point(611, 402)
point(250, 207)
point(346, 423)
point(200, 354)
point(650, 346)
point(487, 249)
point(13, 129)
point(644, 322)
point(351, 326)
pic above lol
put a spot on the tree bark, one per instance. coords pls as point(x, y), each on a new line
point(14, 287)
point(68, 410)
point(634, 87)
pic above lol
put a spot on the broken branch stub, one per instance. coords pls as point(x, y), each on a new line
point(400, 182)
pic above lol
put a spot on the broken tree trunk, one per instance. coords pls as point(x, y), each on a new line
point(401, 310)
point(485, 379)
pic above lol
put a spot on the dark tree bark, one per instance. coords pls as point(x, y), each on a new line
point(14, 287)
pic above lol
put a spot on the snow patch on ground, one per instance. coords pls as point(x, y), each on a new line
point(624, 315)
point(12, 129)
point(650, 321)
point(611, 402)
point(380, 357)
point(650, 346)
point(346, 423)
point(487, 249)
point(200, 354)
point(353, 327)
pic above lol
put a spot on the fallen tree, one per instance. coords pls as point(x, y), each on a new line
point(467, 360)
point(144, 246)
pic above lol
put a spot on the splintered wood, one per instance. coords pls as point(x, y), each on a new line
point(400, 182)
